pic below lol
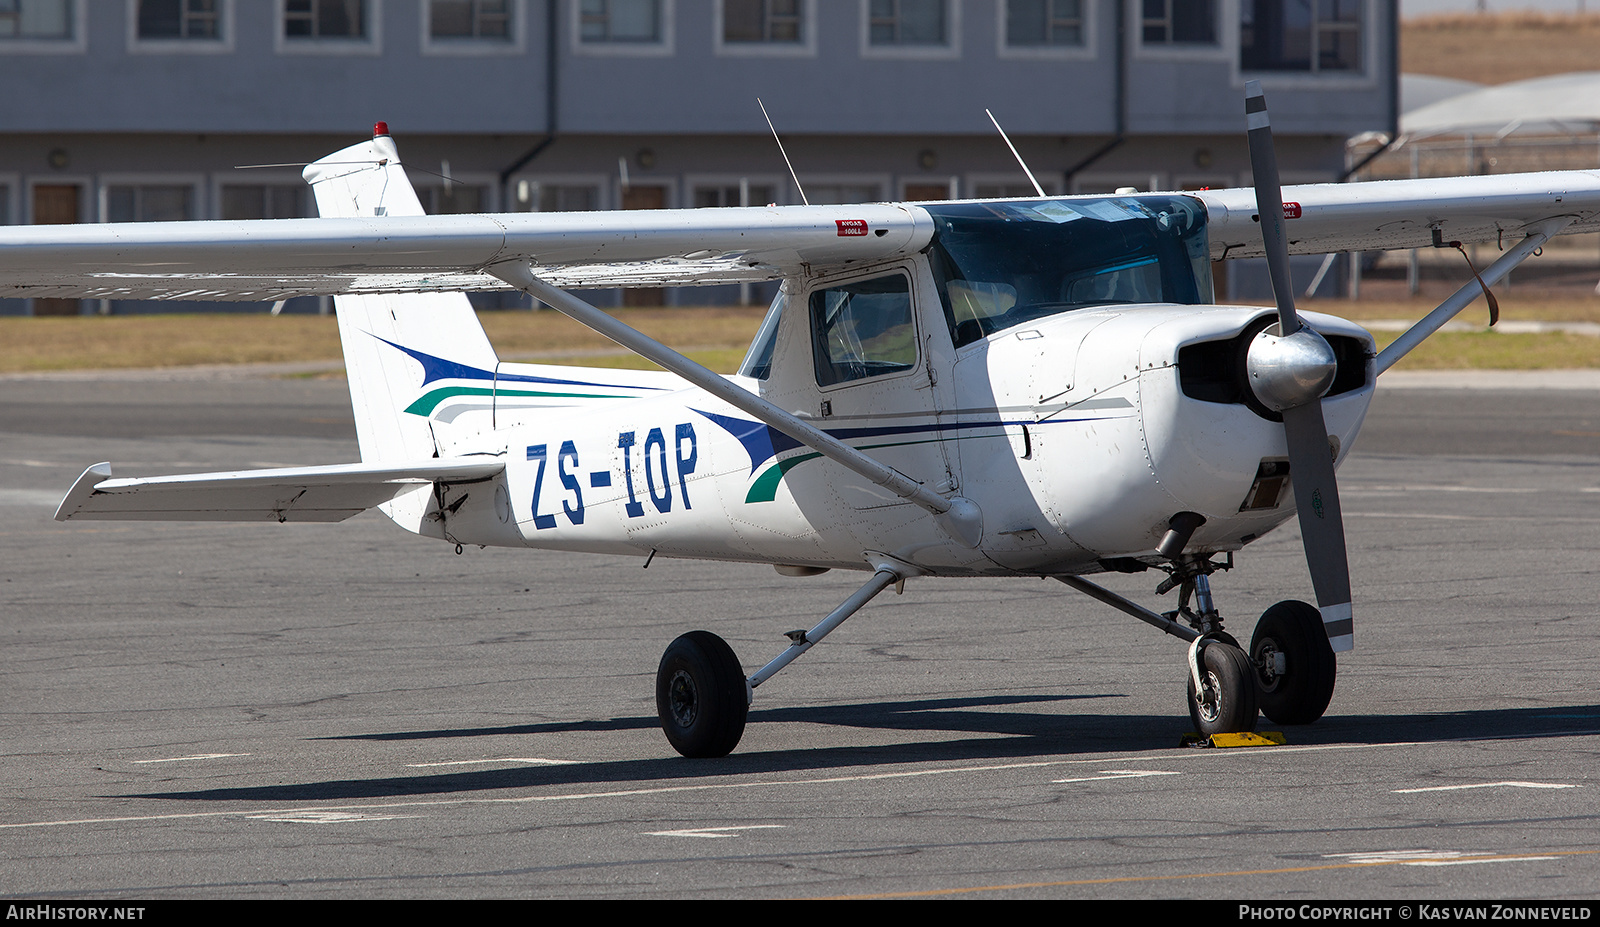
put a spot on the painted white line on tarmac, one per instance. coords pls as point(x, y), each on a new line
point(514, 760)
point(1362, 489)
point(1432, 857)
point(712, 832)
point(44, 498)
point(1431, 516)
point(197, 756)
point(1488, 785)
point(326, 817)
point(1120, 774)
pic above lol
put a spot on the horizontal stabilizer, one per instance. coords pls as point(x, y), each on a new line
point(331, 493)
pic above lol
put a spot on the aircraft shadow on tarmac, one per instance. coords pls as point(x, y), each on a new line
point(1006, 735)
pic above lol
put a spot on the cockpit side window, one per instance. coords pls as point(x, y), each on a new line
point(999, 265)
point(863, 329)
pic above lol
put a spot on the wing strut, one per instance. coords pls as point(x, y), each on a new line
point(959, 516)
point(1538, 234)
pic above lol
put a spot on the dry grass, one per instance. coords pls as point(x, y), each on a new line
point(714, 337)
point(548, 334)
point(91, 342)
point(1512, 306)
point(1491, 350)
point(1499, 48)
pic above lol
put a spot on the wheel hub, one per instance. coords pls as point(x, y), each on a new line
point(683, 699)
point(1267, 659)
point(1207, 699)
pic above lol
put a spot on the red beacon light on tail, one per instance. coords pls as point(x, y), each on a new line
point(380, 130)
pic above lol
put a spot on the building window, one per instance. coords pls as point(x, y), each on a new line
point(180, 19)
point(568, 198)
point(469, 19)
point(264, 201)
point(620, 21)
point(324, 19)
point(1006, 189)
point(37, 19)
point(842, 194)
point(908, 22)
point(453, 199)
point(1315, 36)
point(762, 21)
point(755, 194)
point(1036, 23)
point(148, 202)
point(1179, 22)
point(541, 196)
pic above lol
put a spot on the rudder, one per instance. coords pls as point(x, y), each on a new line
point(389, 339)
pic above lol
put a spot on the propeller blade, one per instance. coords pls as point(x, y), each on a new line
point(1269, 204)
point(1295, 370)
point(1316, 500)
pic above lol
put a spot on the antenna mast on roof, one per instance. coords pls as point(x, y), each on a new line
point(1037, 189)
point(784, 153)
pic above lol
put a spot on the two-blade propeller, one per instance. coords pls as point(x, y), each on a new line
point(1290, 369)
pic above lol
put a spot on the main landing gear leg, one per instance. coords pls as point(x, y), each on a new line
point(702, 696)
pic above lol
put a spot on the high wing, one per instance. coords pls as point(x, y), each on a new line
point(371, 251)
point(269, 259)
point(1391, 214)
point(331, 493)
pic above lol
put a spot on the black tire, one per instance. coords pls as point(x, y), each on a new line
point(701, 696)
point(1301, 693)
point(1228, 705)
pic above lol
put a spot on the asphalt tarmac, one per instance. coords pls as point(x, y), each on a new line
point(345, 711)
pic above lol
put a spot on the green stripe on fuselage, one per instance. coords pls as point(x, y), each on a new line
point(429, 401)
point(765, 488)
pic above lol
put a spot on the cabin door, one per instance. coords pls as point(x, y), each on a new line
point(876, 387)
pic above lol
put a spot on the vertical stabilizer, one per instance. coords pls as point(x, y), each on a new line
point(387, 337)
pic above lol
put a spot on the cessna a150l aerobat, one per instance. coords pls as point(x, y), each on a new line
point(1023, 387)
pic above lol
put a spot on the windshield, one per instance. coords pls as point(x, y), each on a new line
point(758, 360)
point(999, 265)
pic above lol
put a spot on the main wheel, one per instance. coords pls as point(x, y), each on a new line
point(700, 695)
point(1226, 702)
point(1299, 694)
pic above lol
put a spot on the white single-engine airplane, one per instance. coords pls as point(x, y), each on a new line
point(1021, 387)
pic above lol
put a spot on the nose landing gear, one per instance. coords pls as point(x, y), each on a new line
point(1287, 674)
point(1222, 685)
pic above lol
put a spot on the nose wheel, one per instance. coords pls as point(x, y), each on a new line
point(1224, 702)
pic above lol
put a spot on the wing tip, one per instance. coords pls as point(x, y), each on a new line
point(82, 489)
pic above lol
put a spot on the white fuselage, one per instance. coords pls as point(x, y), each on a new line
point(1073, 434)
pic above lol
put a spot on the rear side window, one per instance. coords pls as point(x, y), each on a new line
point(863, 329)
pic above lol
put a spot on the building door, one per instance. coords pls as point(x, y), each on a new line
point(56, 204)
point(644, 197)
point(922, 192)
